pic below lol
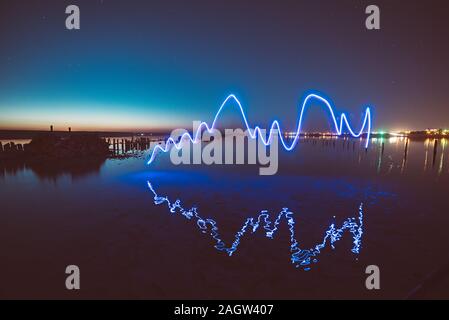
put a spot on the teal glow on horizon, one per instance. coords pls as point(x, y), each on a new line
point(152, 65)
point(87, 116)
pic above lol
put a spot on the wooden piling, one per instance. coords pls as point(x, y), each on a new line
point(435, 150)
point(406, 151)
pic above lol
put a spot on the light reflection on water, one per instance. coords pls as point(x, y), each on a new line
point(392, 155)
point(431, 151)
point(299, 257)
point(102, 214)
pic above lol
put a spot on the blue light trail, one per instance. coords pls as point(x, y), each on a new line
point(301, 258)
point(258, 133)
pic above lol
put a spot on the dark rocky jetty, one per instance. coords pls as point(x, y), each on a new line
point(52, 146)
point(73, 146)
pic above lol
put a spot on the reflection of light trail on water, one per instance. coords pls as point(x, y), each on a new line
point(299, 257)
point(257, 132)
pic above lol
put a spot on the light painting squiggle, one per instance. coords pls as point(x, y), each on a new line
point(258, 133)
point(299, 257)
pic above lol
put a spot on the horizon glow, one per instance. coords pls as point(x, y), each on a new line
point(87, 115)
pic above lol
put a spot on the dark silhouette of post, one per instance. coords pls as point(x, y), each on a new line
point(51, 128)
point(70, 129)
point(406, 151)
point(435, 149)
point(404, 159)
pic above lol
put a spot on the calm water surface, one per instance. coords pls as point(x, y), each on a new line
point(102, 217)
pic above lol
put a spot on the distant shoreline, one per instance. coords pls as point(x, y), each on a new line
point(30, 134)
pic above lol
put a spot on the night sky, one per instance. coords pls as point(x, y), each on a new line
point(147, 65)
